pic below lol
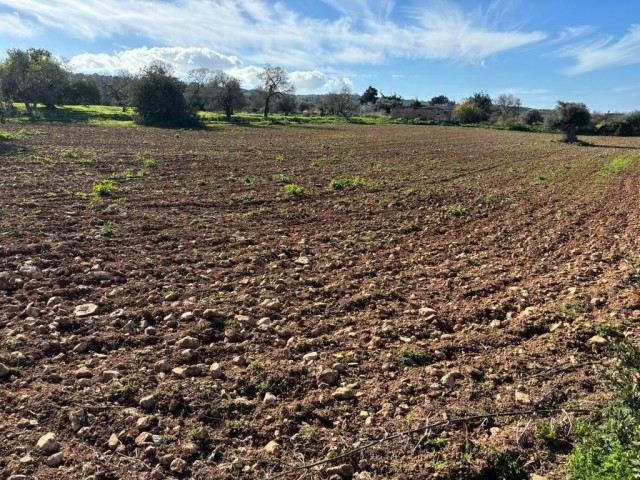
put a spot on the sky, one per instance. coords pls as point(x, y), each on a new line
point(540, 51)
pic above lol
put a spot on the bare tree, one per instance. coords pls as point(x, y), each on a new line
point(199, 78)
point(275, 82)
point(117, 87)
point(508, 105)
point(340, 103)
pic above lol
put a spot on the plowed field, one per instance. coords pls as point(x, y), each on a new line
point(169, 308)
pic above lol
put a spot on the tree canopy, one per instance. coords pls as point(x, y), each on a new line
point(33, 76)
point(275, 82)
point(370, 95)
point(568, 117)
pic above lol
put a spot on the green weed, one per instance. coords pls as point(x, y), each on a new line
point(351, 183)
point(294, 190)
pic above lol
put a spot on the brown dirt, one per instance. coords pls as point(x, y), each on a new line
point(520, 248)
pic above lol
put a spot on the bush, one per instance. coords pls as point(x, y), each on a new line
point(294, 190)
point(158, 97)
point(532, 116)
point(469, 112)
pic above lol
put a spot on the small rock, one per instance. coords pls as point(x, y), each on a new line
point(4, 281)
point(495, 324)
point(597, 340)
point(264, 322)
point(83, 372)
point(31, 271)
point(188, 342)
point(522, 397)
point(448, 380)
point(85, 310)
point(145, 423)
point(109, 375)
point(330, 377)
point(148, 402)
point(77, 419)
point(216, 370)
point(145, 438)
point(178, 465)
point(172, 296)
point(55, 460)
point(187, 372)
point(344, 471)
point(187, 316)
point(302, 260)
point(150, 331)
point(309, 357)
point(53, 301)
point(113, 442)
point(162, 366)
point(537, 477)
point(239, 361)
point(426, 311)
point(269, 398)
point(4, 370)
point(343, 393)
point(47, 443)
point(18, 477)
point(272, 447)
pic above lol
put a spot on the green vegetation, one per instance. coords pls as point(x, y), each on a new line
point(411, 356)
point(457, 210)
point(294, 190)
point(351, 183)
point(609, 449)
point(617, 165)
point(103, 188)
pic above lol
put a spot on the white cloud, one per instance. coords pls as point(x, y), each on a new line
point(182, 59)
point(261, 31)
point(604, 52)
point(13, 25)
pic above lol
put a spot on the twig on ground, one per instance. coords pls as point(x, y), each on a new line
point(425, 428)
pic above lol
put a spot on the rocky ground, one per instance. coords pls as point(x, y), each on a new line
point(167, 310)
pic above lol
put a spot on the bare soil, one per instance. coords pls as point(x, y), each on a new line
point(469, 276)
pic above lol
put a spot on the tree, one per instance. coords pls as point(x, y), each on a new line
point(341, 102)
point(387, 102)
point(508, 105)
point(226, 92)
point(568, 117)
point(439, 100)
point(275, 82)
point(33, 76)
point(469, 112)
point(198, 80)
point(82, 92)
point(370, 95)
point(117, 88)
point(287, 104)
point(483, 101)
point(416, 104)
point(158, 97)
point(532, 116)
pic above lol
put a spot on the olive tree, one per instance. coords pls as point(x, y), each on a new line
point(508, 105)
point(33, 76)
point(225, 92)
point(568, 117)
point(341, 102)
point(158, 97)
point(275, 82)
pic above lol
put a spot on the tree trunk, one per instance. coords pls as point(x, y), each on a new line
point(29, 108)
point(266, 107)
point(229, 112)
point(570, 135)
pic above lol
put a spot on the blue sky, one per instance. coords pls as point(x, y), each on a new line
point(541, 51)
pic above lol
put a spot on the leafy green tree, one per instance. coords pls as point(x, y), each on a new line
point(568, 117)
point(468, 112)
point(532, 116)
point(227, 93)
point(82, 92)
point(387, 102)
point(33, 76)
point(483, 101)
point(158, 97)
point(287, 104)
point(439, 100)
point(275, 83)
point(370, 95)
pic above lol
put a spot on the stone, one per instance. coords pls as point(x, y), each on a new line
point(426, 311)
point(522, 397)
point(597, 340)
point(310, 357)
point(85, 310)
point(47, 443)
point(302, 260)
point(172, 296)
point(4, 281)
point(145, 423)
point(109, 375)
point(216, 370)
point(55, 460)
point(343, 393)
point(53, 301)
point(187, 317)
point(145, 438)
point(448, 380)
point(272, 447)
point(162, 366)
point(270, 398)
point(30, 271)
point(239, 361)
point(113, 442)
point(330, 377)
point(345, 471)
point(178, 465)
point(188, 342)
point(4, 370)
point(264, 322)
point(148, 402)
point(83, 372)
point(18, 477)
point(495, 324)
point(187, 372)
point(537, 477)
point(77, 419)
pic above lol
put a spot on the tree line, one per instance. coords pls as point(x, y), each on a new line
point(35, 76)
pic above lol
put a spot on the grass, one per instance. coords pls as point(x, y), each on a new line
point(617, 165)
point(413, 356)
point(609, 448)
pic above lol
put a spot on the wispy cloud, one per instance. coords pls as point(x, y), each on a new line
point(259, 31)
point(14, 26)
point(603, 52)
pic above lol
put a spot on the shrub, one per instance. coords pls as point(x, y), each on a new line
point(103, 189)
point(532, 116)
point(295, 190)
point(469, 112)
point(350, 183)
